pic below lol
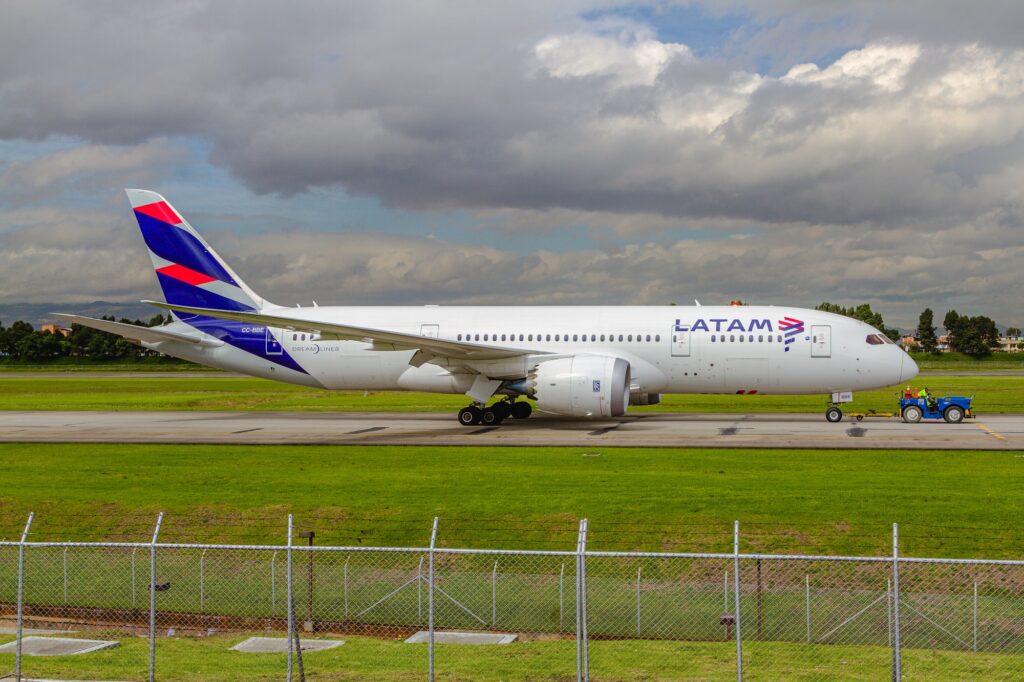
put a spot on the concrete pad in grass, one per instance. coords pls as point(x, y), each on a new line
point(57, 646)
point(279, 645)
point(422, 637)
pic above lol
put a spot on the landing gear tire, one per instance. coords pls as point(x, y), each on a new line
point(912, 414)
point(833, 414)
point(954, 414)
point(468, 416)
point(521, 410)
point(492, 416)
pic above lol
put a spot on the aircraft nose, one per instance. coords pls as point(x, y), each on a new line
point(908, 368)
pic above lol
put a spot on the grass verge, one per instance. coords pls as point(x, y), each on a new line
point(993, 394)
point(948, 503)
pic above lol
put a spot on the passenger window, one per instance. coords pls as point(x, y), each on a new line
point(779, 338)
point(620, 337)
point(549, 337)
point(574, 337)
point(769, 338)
point(460, 337)
point(657, 337)
point(477, 337)
point(602, 337)
point(520, 337)
point(732, 338)
point(303, 337)
point(629, 338)
point(712, 338)
point(750, 338)
point(741, 338)
point(648, 338)
point(760, 338)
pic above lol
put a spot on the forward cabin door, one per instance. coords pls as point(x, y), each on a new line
point(821, 341)
point(680, 337)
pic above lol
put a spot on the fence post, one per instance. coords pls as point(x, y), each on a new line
point(583, 594)
point(152, 597)
point(346, 588)
point(430, 598)
point(419, 589)
point(273, 585)
point(888, 608)
point(581, 632)
point(807, 588)
point(134, 550)
point(288, 598)
point(21, 595)
point(638, 569)
point(975, 615)
point(736, 577)
point(202, 582)
point(760, 604)
point(494, 595)
point(897, 664)
point(561, 596)
point(65, 576)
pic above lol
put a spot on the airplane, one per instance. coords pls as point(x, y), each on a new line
point(587, 362)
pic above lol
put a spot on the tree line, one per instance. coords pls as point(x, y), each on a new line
point(22, 342)
point(975, 335)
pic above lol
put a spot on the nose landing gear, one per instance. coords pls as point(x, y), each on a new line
point(495, 414)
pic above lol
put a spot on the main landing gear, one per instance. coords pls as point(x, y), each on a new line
point(495, 414)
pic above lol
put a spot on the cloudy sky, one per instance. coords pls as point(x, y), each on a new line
point(555, 152)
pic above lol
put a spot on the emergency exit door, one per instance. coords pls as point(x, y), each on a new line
point(430, 330)
point(680, 340)
point(821, 341)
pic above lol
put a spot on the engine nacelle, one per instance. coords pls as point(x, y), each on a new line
point(581, 386)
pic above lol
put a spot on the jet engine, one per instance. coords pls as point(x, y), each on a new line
point(581, 386)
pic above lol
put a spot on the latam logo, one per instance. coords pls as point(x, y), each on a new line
point(791, 328)
point(724, 324)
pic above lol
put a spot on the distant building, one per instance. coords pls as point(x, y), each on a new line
point(908, 342)
point(1011, 344)
point(54, 329)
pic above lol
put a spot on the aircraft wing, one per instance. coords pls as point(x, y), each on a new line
point(131, 332)
point(458, 350)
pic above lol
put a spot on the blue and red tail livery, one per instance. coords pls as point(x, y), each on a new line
point(192, 274)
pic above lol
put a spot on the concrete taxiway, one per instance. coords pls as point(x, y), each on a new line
point(997, 432)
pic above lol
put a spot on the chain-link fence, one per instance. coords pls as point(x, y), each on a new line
point(179, 611)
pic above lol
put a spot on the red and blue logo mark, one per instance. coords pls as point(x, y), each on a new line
point(791, 328)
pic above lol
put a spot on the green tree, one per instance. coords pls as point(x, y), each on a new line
point(1011, 332)
point(862, 312)
point(926, 331)
point(975, 336)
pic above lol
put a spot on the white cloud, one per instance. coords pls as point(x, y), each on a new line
point(884, 66)
point(624, 59)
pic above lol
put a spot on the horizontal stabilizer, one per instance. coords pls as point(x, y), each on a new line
point(134, 332)
point(441, 347)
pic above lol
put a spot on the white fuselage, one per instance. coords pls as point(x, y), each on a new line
point(670, 349)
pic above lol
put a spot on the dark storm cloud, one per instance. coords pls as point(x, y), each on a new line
point(897, 160)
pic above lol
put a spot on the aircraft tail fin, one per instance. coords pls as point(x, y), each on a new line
point(189, 271)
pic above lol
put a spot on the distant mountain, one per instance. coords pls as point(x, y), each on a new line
point(42, 313)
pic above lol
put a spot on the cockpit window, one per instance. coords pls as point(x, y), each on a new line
point(875, 340)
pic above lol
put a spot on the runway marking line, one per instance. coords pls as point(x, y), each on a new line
point(990, 431)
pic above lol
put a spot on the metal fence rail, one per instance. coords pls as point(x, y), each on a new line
point(575, 611)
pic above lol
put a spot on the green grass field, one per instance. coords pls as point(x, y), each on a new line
point(993, 394)
point(208, 659)
point(948, 503)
